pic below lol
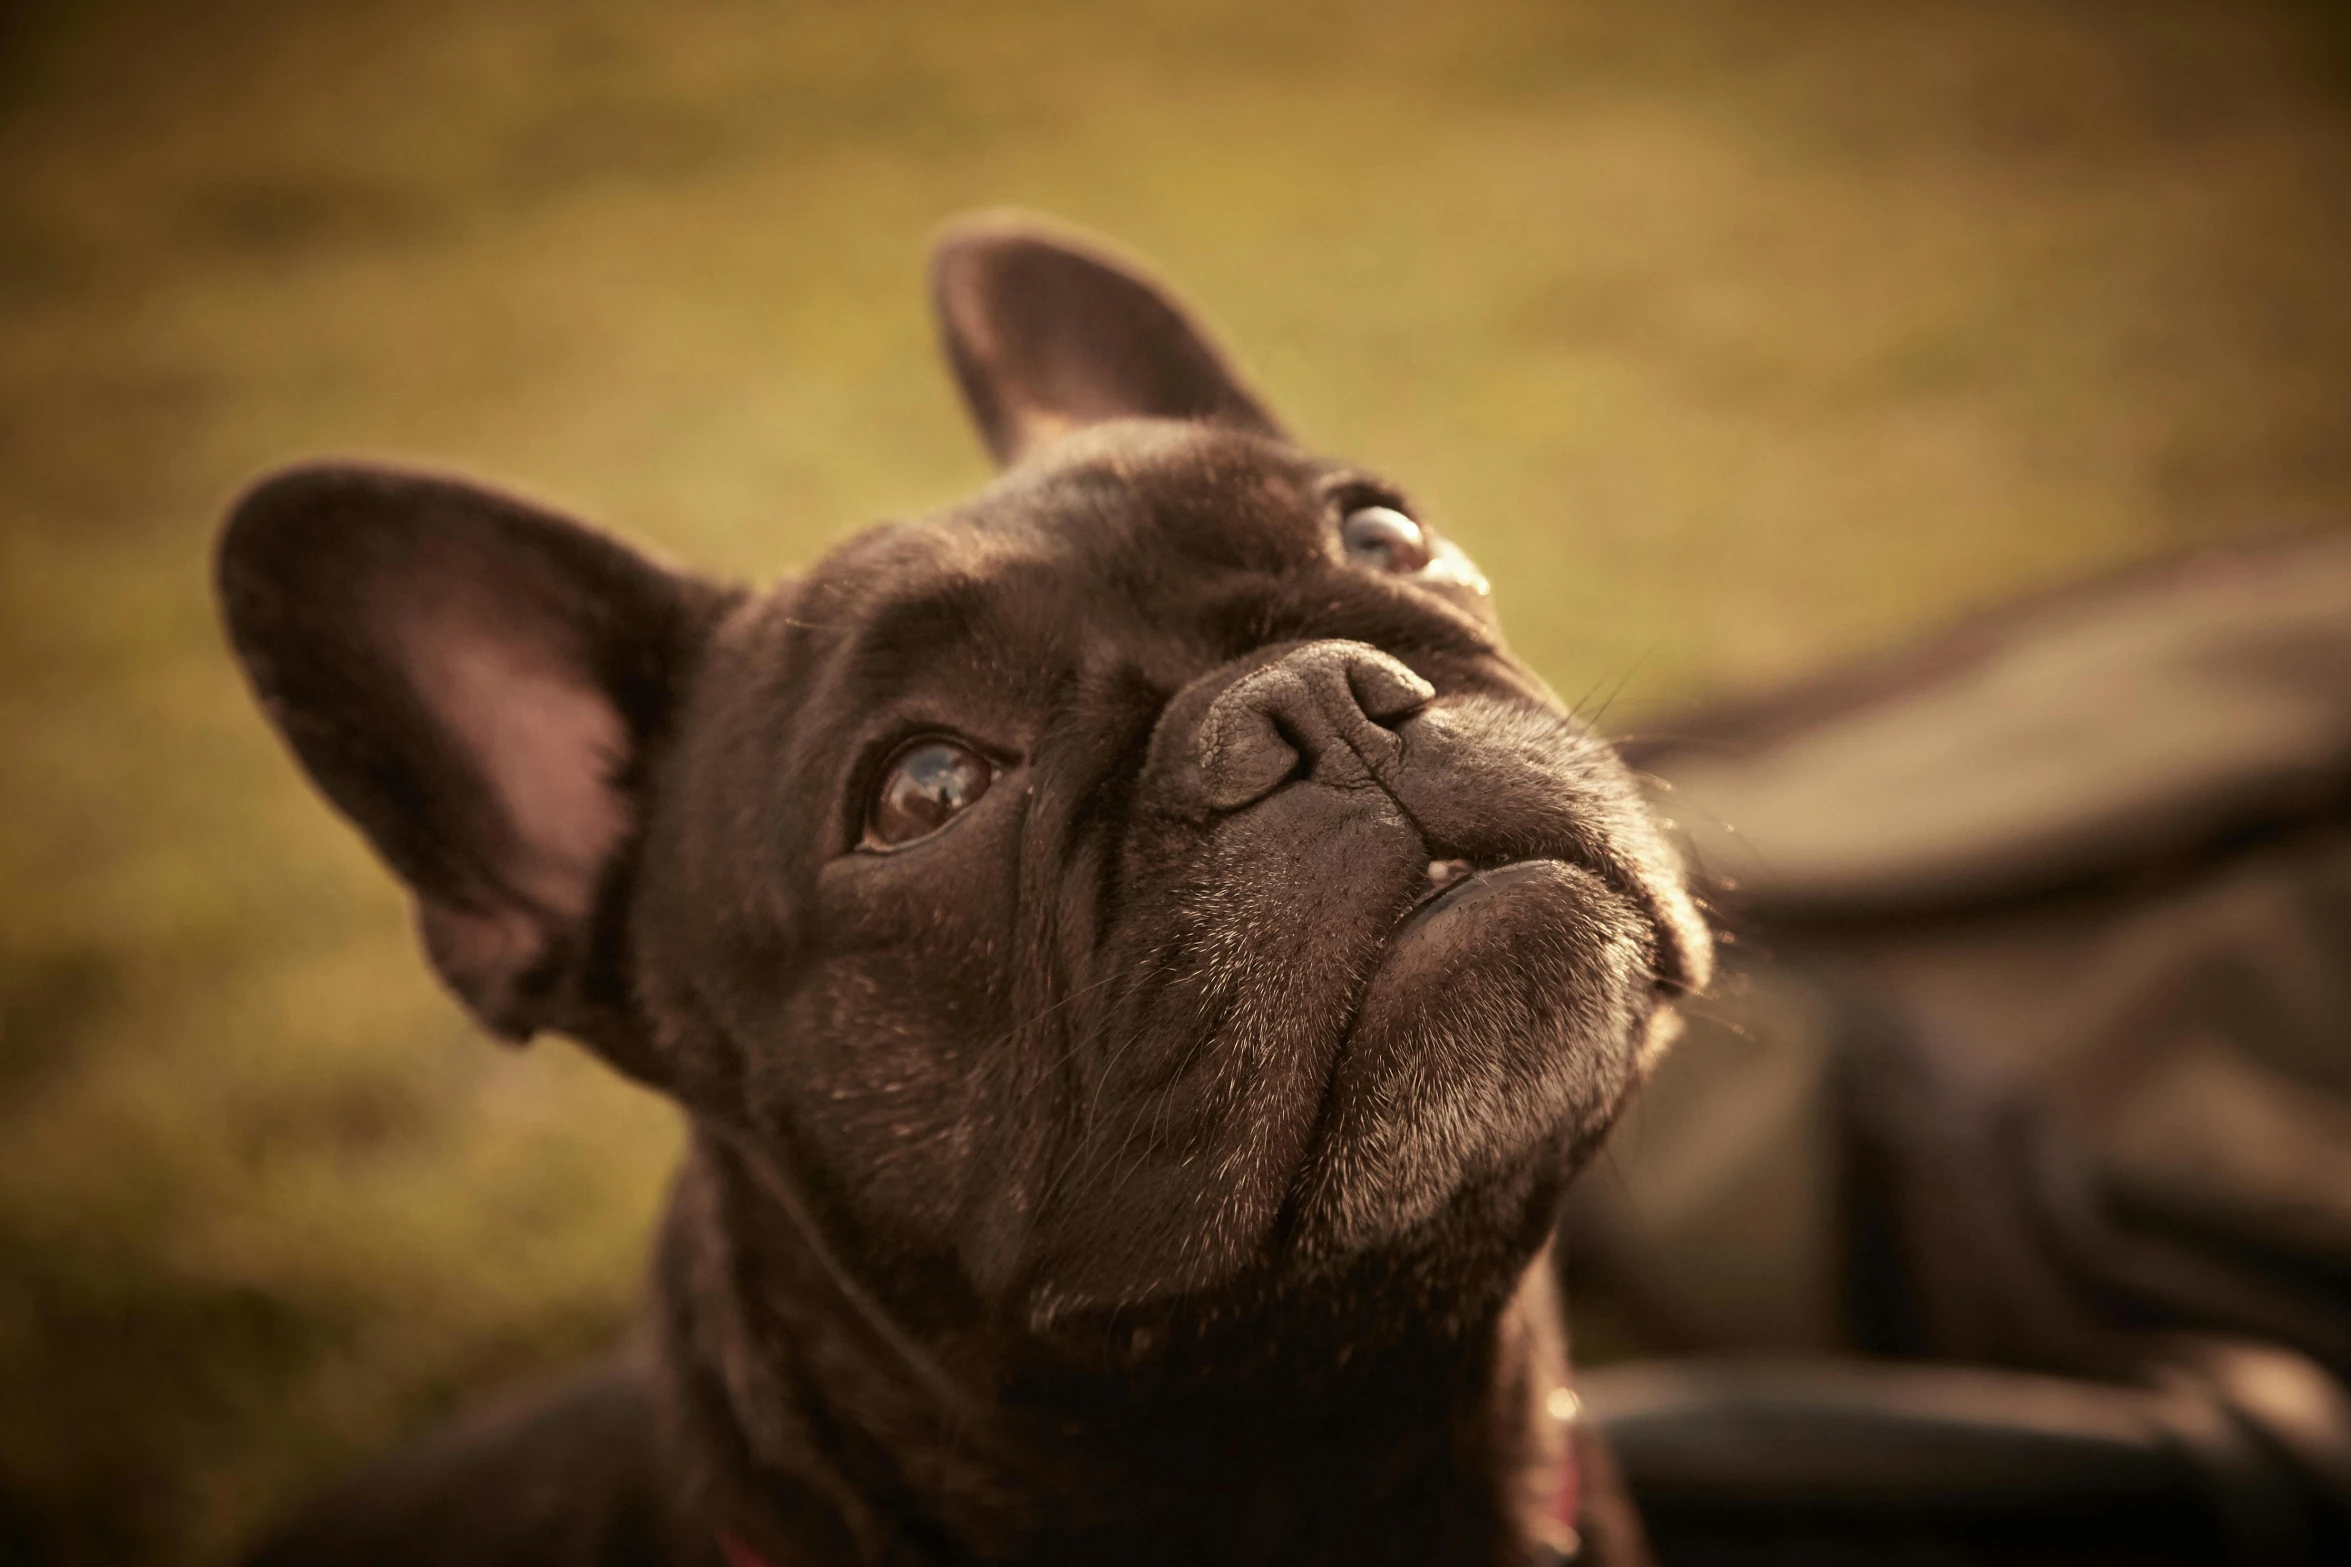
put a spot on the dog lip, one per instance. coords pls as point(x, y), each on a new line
point(1453, 888)
point(1672, 954)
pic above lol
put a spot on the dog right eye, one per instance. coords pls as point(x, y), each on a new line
point(1384, 539)
point(925, 786)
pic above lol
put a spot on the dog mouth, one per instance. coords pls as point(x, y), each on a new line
point(1445, 878)
point(1372, 1016)
point(1494, 1033)
point(1460, 889)
point(1460, 883)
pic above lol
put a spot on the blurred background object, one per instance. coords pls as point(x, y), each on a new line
point(1731, 339)
point(1995, 1206)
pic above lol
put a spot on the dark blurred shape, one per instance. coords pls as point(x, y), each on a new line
point(2096, 734)
point(1875, 1462)
point(2037, 1056)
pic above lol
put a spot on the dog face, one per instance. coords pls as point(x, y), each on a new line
point(1151, 882)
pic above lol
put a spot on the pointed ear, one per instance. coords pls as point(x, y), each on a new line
point(478, 685)
point(1048, 334)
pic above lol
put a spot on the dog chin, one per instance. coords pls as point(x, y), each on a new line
point(1506, 1022)
point(1497, 1029)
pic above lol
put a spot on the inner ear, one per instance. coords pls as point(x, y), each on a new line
point(1047, 334)
point(478, 684)
point(512, 683)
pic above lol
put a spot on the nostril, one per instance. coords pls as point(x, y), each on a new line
point(1384, 688)
point(1245, 755)
point(1320, 708)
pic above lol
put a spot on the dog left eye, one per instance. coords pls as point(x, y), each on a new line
point(927, 784)
point(1384, 539)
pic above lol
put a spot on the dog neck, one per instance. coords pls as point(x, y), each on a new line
point(820, 1428)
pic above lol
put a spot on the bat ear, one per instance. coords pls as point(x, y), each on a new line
point(1048, 334)
point(478, 685)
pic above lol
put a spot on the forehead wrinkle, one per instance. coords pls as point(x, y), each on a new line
point(1192, 493)
point(1003, 641)
point(911, 633)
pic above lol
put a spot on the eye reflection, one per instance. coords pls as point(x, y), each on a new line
point(927, 784)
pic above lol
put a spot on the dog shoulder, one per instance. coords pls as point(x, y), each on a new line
point(570, 1474)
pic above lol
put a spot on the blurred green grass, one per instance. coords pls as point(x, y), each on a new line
point(1728, 338)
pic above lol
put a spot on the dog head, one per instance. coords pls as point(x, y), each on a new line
point(1148, 881)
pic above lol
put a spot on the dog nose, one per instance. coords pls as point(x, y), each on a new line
point(1325, 709)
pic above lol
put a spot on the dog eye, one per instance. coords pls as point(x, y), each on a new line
point(1384, 539)
point(927, 785)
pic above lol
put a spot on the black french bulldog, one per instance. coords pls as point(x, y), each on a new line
point(1139, 959)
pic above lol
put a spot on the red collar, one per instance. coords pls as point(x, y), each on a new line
point(1563, 1538)
point(738, 1554)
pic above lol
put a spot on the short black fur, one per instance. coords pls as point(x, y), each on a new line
point(1143, 1167)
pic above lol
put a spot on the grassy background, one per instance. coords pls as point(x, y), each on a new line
point(1727, 336)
